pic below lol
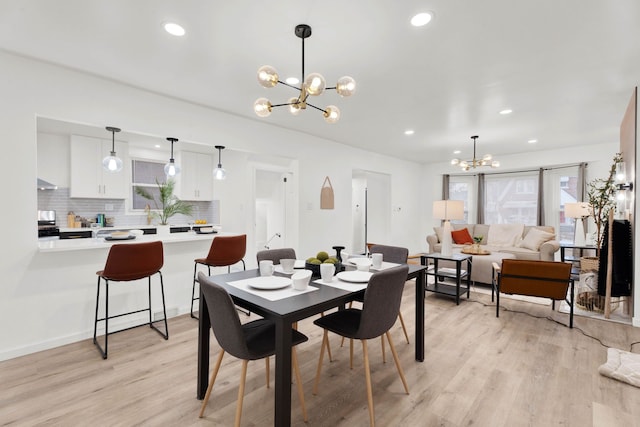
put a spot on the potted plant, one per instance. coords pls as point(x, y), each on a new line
point(601, 194)
point(168, 204)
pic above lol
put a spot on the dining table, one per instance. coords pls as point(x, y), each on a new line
point(284, 313)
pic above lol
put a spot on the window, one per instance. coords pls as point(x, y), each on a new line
point(511, 198)
point(561, 187)
point(146, 174)
point(464, 188)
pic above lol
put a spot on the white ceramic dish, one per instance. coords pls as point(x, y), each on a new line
point(269, 283)
point(299, 263)
point(361, 263)
point(280, 270)
point(120, 236)
point(301, 279)
point(354, 276)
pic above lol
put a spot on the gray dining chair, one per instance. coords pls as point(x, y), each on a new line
point(379, 312)
point(397, 255)
point(276, 255)
point(250, 341)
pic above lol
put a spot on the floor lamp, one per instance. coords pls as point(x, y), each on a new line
point(579, 211)
point(447, 210)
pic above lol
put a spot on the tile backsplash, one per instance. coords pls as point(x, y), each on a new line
point(59, 201)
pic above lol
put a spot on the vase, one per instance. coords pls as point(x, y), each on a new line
point(163, 229)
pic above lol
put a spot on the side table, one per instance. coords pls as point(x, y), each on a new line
point(457, 274)
point(572, 258)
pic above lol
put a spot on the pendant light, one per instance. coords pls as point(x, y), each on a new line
point(112, 163)
point(171, 168)
point(219, 172)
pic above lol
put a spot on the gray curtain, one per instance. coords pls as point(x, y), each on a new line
point(582, 184)
point(445, 187)
point(540, 215)
point(480, 209)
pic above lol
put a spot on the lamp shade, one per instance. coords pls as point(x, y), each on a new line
point(448, 209)
point(576, 210)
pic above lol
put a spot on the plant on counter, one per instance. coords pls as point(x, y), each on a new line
point(168, 204)
point(601, 193)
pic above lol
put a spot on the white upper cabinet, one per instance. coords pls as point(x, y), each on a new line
point(88, 178)
point(196, 178)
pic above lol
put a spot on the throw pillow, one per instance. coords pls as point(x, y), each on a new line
point(535, 238)
point(504, 234)
point(438, 231)
point(461, 237)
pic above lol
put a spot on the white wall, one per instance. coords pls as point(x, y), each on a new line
point(48, 300)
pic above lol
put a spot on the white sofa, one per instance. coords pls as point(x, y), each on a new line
point(504, 241)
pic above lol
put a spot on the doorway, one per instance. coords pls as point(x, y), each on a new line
point(274, 203)
point(371, 209)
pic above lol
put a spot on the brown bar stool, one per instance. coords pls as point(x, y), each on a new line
point(224, 252)
point(125, 263)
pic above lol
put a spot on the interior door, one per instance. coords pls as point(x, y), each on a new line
point(371, 209)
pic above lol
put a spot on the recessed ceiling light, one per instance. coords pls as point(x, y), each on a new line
point(409, 132)
point(506, 111)
point(457, 152)
point(292, 80)
point(532, 141)
point(421, 19)
point(174, 29)
point(157, 145)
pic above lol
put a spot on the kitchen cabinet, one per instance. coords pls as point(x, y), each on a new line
point(196, 178)
point(88, 178)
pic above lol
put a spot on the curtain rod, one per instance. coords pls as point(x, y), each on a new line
point(525, 170)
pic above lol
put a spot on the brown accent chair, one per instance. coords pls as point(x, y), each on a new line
point(544, 279)
point(225, 251)
point(125, 263)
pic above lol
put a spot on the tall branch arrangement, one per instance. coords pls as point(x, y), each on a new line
point(601, 193)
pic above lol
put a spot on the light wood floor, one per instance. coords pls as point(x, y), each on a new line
point(513, 371)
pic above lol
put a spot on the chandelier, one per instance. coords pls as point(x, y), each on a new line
point(486, 160)
point(312, 85)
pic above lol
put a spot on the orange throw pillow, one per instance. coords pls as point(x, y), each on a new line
point(461, 237)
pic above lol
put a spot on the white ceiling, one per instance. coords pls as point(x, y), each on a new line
point(565, 67)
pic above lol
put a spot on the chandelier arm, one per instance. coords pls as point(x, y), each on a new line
point(287, 84)
point(317, 108)
point(329, 88)
point(288, 103)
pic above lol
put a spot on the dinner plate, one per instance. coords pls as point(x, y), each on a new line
point(269, 282)
point(354, 276)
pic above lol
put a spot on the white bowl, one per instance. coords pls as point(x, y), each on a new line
point(136, 232)
point(301, 279)
point(362, 264)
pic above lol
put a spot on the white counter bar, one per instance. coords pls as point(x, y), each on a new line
point(58, 290)
point(59, 245)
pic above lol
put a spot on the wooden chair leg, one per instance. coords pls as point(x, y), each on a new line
point(211, 381)
point(266, 361)
point(243, 378)
point(384, 353)
point(367, 375)
point(395, 358)
point(296, 371)
point(404, 328)
point(329, 350)
point(342, 341)
point(324, 339)
point(350, 353)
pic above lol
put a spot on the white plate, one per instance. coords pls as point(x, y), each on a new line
point(354, 276)
point(300, 263)
point(269, 282)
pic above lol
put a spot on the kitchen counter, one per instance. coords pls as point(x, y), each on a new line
point(57, 245)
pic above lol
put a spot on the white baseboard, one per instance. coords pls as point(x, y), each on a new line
point(86, 334)
point(636, 322)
